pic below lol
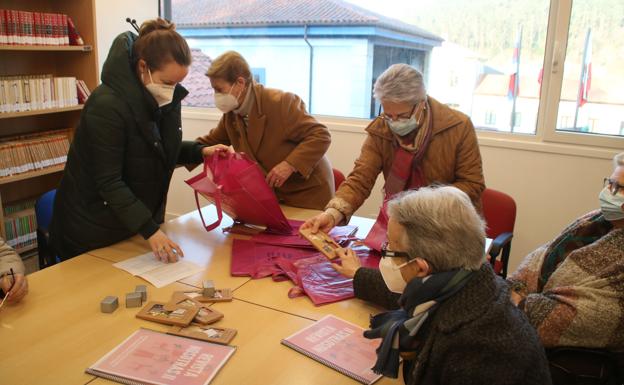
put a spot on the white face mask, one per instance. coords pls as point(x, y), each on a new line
point(391, 274)
point(226, 102)
point(611, 205)
point(163, 93)
point(403, 127)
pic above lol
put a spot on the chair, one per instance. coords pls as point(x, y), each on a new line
point(43, 212)
point(499, 211)
point(586, 366)
point(338, 178)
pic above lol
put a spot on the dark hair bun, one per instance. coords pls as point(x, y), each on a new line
point(156, 25)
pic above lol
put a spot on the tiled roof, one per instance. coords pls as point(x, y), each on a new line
point(201, 93)
point(254, 13)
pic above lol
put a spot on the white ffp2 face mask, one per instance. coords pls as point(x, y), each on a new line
point(226, 102)
point(392, 276)
point(163, 93)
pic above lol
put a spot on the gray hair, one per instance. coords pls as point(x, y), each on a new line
point(618, 160)
point(441, 226)
point(400, 83)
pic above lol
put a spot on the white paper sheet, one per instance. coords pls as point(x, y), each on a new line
point(157, 272)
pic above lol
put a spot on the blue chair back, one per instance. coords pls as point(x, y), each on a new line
point(43, 210)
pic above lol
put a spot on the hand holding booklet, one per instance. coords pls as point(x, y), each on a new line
point(154, 358)
point(156, 272)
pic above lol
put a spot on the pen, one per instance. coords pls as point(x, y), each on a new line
point(6, 295)
point(13, 278)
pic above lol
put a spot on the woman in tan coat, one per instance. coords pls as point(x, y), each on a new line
point(274, 129)
point(415, 142)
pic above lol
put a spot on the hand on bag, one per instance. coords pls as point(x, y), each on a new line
point(164, 248)
point(279, 174)
point(19, 289)
point(222, 149)
point(323, 222)
point(350, 262)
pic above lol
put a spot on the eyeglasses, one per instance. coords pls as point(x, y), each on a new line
point(613, 185)
point(392, 254)
point(398, 117)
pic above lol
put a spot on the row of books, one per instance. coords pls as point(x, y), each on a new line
point(37, 92)
point(20, 224)
point(33, 152)
point(37, 28)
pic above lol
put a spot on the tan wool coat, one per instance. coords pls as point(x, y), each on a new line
point(279, 128)
point(453, 158)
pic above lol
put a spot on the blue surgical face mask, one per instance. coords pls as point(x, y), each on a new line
point(403, 127)
point(611, 205)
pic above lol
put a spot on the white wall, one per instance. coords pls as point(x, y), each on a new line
point(111, 20)
point(551, 184)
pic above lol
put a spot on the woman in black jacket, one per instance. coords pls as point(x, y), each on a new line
point(454, 322)
point(126, 147)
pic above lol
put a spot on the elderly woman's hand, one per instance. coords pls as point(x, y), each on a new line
point(350, 262)
point(279, 174)
point(221, 149)
point(19, 289)
point(323, 222)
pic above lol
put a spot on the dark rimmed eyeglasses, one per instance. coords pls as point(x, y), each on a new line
point(614, 186)
point(398, 117)
point(392, 254)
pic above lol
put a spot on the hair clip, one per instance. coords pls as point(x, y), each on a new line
point(133, 23)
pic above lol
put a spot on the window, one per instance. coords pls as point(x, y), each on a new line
point(550, 68)
point(593, 75)
point(490, 118)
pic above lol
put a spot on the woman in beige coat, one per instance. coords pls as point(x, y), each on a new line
point(415, 142)
point(274, 129)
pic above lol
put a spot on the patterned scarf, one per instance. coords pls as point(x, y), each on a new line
point(406, 169)
point(581, 233)
point(399, 329)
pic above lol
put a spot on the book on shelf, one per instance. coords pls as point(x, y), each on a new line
point(37, 28)
point(340, 345)
point(25, 153)
point(151, 357)
point(39, 92)
point(20, 224)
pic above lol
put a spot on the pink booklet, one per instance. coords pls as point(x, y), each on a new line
point(340, 345)
point(154, 358)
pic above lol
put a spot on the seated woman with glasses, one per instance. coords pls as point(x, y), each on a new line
point(415, 142)
point(572, 288)
point(455, 323)
point(13, 282)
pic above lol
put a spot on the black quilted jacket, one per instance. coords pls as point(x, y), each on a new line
point(120, 162)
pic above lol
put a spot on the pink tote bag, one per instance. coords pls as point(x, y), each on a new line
point(235, 185)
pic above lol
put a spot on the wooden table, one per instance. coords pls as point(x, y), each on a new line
point(58, 330)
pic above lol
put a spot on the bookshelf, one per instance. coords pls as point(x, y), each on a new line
point(60, 61)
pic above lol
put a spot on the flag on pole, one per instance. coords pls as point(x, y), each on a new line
point(513, 89)
point(586, 71)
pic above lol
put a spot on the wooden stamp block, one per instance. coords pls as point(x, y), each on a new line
point(134, 299)
point(323, 242)
point(143, 290)
point(109, 304)
point(205, 333)
point(156, 312)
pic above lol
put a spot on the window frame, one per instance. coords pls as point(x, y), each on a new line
point(546, 137)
